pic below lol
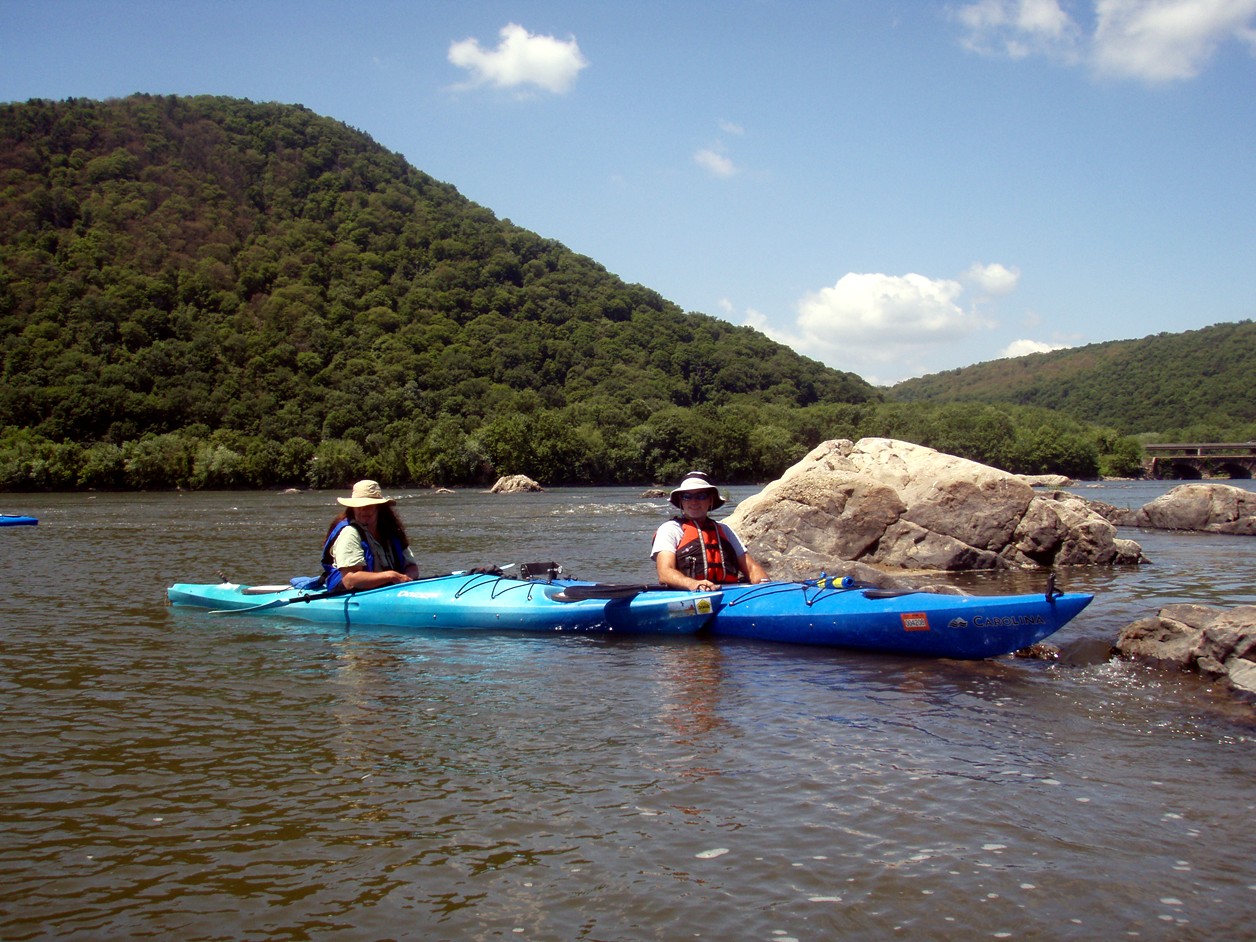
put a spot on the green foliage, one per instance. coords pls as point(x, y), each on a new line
point(194, 266)
point(1192, 386)
point(337, 463)
point(207, 292)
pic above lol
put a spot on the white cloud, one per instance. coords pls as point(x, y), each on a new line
point(1021, 348)
point(729, 127)
point(715, 163)
point(871, 309)
point(992, 280)
point(887, 328)
point(1018, 28)
point(520, 59)
point(1150, 40)
point(1163, 40)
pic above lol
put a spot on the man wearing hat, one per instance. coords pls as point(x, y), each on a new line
point(366, 545)
point(696, 553)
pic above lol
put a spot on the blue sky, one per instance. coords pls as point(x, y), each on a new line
point(892, 187)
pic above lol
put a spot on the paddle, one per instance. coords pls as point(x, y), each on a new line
point(495, 571)
point(276, 603)
point(604, 590)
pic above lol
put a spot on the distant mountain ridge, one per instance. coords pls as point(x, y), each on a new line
point(1162, 382)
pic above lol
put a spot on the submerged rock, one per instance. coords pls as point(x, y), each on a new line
point(1218, 643)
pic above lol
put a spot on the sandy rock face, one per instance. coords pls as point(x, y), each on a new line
point(514, 484)
point(895, 505)
point(1211, 508)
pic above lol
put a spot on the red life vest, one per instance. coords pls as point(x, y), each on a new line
point(705, 552)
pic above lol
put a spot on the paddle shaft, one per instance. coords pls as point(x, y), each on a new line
point(279, 603)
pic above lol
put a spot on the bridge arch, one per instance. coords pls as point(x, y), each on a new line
point(1196, 461)
point(1234, 470)
point(1176, 469)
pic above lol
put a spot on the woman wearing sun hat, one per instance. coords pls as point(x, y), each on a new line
point(694, 552)
point(366, 545)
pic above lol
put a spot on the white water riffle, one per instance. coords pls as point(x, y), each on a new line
point(175, 774)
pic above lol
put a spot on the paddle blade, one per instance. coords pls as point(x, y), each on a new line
point(580, 593)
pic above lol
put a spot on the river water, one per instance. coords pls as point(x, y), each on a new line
point(175, 775)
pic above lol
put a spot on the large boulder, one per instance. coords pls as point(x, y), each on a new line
point(514, 484)
point(895, 505)
point(1218, 643)
point(1211, 508)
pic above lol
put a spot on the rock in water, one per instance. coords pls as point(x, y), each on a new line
point(895, 505)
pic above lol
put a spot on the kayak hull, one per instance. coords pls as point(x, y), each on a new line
point(460, 602)
point(925, 624)
point(16, 520)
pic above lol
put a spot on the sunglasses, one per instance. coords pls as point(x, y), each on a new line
point(699, 496)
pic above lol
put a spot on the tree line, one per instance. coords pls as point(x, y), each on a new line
point(587, 444)
point(1189, 386)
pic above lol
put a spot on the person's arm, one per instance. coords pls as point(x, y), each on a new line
point(357, 578)
point(746, 563)
point(750, 566)
point(349, 557)
point(409, 565)
point(669, 575)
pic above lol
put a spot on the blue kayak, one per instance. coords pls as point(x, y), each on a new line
point(927, 624)
point(15, 520)
point(461, 601)
point(842, 613)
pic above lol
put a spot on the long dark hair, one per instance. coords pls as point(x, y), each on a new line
point(390, 524)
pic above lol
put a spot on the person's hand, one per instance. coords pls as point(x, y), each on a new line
point(704, 585)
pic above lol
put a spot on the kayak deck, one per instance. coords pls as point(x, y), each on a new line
point(920, 623)
point(465, 601)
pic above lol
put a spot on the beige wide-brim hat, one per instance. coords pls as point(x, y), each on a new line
point(696, 482)
point(366, 494)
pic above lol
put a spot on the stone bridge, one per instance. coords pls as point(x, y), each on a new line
point(1195, 461)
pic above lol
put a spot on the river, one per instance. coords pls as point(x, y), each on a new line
point(170, 774)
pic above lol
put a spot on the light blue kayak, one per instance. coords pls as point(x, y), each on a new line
point(463, 601)
point(16, 520)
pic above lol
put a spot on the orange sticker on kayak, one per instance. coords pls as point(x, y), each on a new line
point(915, 621)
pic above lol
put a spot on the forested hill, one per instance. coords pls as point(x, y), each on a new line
point(1199, 382)
point(271, 285)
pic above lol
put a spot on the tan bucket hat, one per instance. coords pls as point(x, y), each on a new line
point(366, 494)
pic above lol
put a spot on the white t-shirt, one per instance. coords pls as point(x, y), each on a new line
point(668, 536)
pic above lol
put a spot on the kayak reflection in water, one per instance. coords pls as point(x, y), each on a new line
point(696, 553)
point(366, 545)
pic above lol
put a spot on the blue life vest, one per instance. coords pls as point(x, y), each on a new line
point(333, 579)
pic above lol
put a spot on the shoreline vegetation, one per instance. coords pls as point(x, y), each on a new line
point(548, 447)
